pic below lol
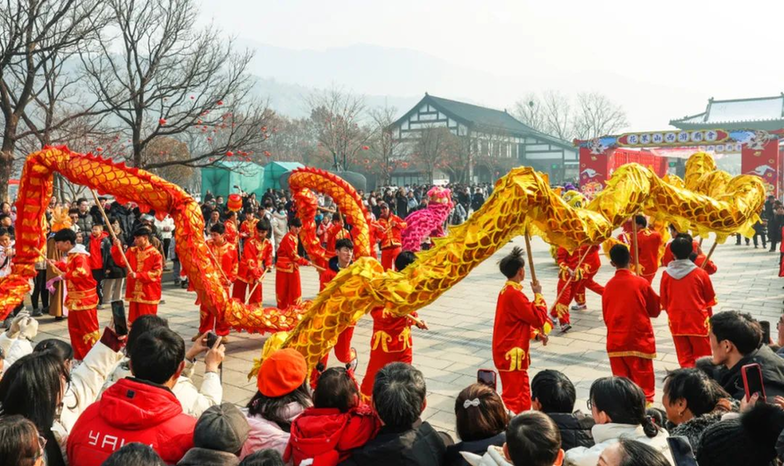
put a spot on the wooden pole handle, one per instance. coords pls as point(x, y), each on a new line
point(530, 257)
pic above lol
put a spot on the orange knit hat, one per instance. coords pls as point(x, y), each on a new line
point(282, 372)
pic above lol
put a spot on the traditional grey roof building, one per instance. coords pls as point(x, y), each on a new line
point(494, 139)
point(763, 113)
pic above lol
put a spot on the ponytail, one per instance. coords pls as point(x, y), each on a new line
point(649, 427)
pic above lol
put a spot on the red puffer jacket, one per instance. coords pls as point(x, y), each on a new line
point(131, 411)
point(327, 436)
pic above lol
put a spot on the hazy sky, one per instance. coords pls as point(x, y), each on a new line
point(659, 59)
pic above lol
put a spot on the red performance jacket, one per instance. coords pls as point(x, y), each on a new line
point(334, 233)
point(687, 301)
point(148, 265)
point(515, 317)
point(628, 303)
point(327, 436)
point(256, 257)
point(131, 411)
point(390, 334)
point(288, 259)
point(78, 280)
point(232, 235)
point(388, 234)
point(648, 243)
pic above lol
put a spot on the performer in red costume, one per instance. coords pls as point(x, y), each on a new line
point(248, 226)
point(582, 278)
point(288, 289)
point(232, 234)
point(628, 303)
point(226, 255)
point(648, 244)
point(391, 341)
point(699, 256)
point(335, 232)
point(143, 283)
point(82, 298)
point(344, 249)
point(687, 295)
point(515, 318)
point(256, 261)
point(389, 227)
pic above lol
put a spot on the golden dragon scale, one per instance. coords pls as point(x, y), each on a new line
point(524, 196)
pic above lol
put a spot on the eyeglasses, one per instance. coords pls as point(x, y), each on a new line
point(589, 404)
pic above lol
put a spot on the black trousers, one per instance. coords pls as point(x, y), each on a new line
point(98, 275)
point(39, 290)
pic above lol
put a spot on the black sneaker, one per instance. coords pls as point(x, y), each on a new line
point(565, 328)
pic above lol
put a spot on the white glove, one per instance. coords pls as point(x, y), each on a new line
point(29, 328)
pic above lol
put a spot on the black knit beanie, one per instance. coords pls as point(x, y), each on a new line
point(748, 441)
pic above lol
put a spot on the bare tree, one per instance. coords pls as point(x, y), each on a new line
point(384, 147)
point(598, 116)
point(529, 110)
point(335, 118)
point(170, 79)
point(435, 148)
point(34, 34)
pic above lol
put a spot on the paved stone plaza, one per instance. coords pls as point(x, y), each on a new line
point(461, 322)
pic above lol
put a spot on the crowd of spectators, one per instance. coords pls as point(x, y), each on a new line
point(132, 402)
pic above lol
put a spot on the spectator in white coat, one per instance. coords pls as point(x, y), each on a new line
point(16, 341)
point(618, 407)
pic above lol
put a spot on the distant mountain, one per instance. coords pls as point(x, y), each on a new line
point(289, 99)
point(403, 76)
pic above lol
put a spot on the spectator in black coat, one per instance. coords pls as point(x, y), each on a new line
point(774, 226)
point(477, 200)
point(402, 203)
point(405, 440)
point(554, 394)
point(736, 340)
point(481, 422)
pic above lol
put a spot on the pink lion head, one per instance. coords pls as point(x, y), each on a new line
point(439, 195)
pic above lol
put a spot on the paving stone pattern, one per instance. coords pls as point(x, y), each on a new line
point(461, 324)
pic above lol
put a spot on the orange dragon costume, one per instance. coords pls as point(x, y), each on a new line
point(81, 301)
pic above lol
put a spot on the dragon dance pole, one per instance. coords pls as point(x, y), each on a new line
point(710, 253)
point(635, 250)
point(530, 257)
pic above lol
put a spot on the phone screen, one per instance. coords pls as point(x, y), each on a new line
point(118, 316)
point(681, 451)
point(486, 377)
point(752, 380)
point(765, 331)
point(212, 338)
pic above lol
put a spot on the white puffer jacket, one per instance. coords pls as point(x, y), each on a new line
point(607, 434)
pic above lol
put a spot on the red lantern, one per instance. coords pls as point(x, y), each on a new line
point(220, 102)
point(162, 122)
point(209, 139)
point(235, 202)
point(229, 154)
point(192, 97)
point(267, 153)
point(99, 149)
point(365, 147)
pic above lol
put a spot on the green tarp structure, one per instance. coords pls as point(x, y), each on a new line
point(221, 177)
